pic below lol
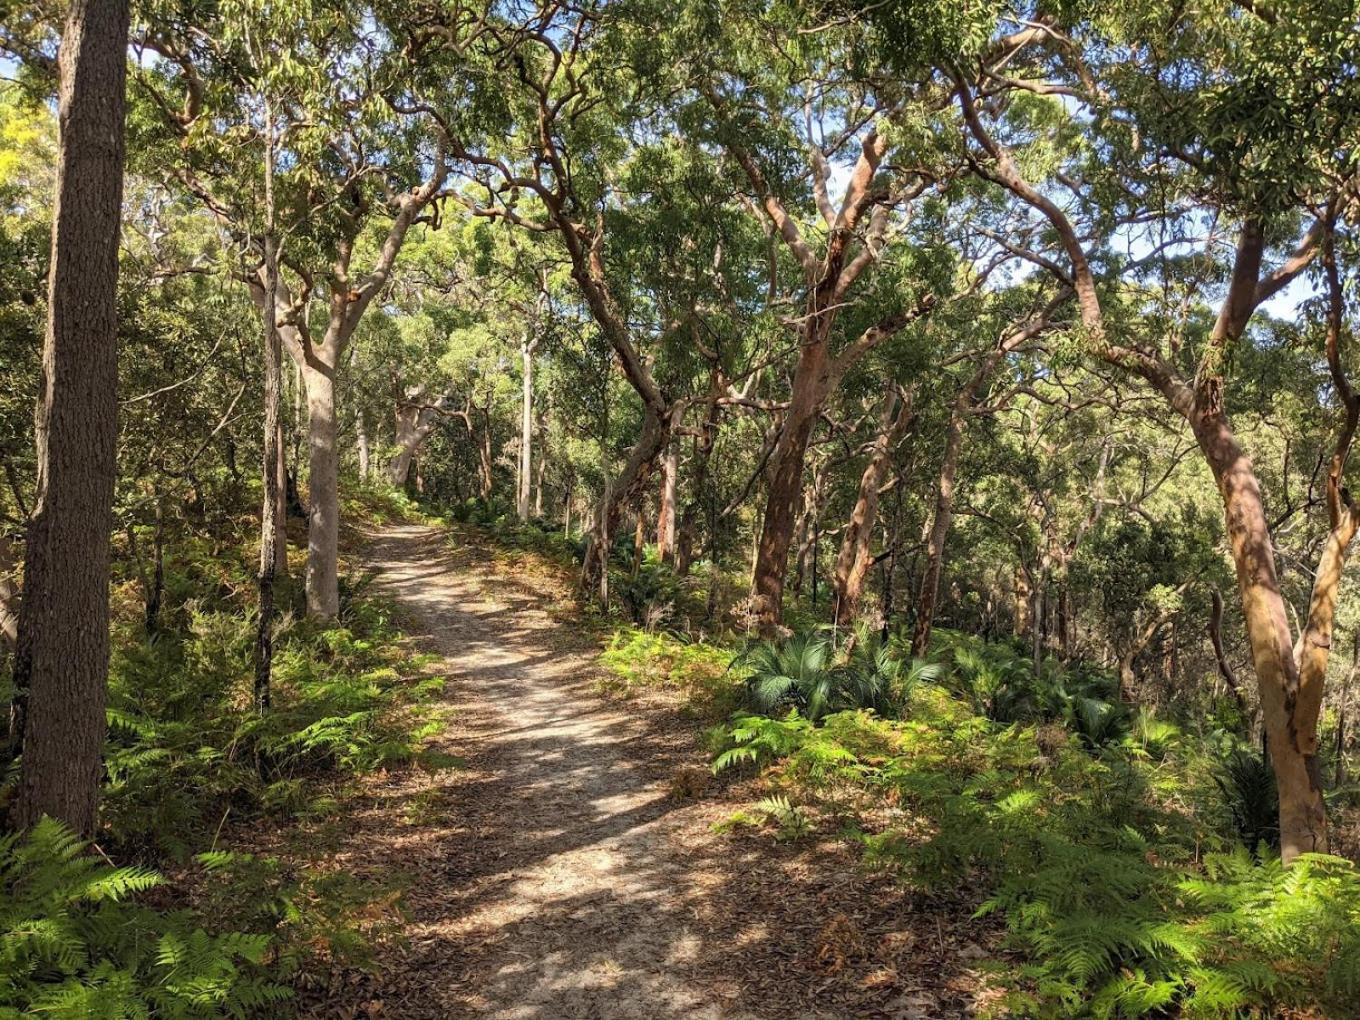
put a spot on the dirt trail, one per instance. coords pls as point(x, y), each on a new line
point(572, 898)
point(554, 874)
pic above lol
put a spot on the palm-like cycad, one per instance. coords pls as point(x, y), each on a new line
point(802, 672)
point(794, 673)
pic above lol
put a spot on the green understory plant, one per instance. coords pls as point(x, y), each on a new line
point(1120, 870)
point(75, 943)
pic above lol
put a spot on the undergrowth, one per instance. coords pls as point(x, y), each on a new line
point(74, 943)
point(193, 930)
point(1125, 858)
point(700, 672)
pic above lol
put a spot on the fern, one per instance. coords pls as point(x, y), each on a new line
point(74, 943)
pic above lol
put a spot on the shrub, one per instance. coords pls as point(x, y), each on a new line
point(74, 944)
point(804, 672)
point(1094, 864)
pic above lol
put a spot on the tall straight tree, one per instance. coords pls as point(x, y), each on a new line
point(271, 505)
point(61, 665)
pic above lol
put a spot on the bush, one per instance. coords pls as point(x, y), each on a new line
point(74, 944)
point(1119, 875)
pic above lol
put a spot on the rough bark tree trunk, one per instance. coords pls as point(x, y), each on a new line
point(61, 665)
point(269, 461)
point(785, 482)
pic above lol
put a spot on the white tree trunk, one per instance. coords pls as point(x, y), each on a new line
point(526, 431)
point(323, 490)
point(362, 441)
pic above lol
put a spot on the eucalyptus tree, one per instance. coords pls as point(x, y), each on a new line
point(1031, 320)
point(61, 661)
point(355, 171)
point(589, 152)
point(1177, 128)
point(857, 268)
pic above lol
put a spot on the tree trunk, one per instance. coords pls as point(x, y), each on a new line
point(361, 442)
point(484, 458)
point(323, 493)
point(269, 461)
point(786, 483)
point(665, 517)
point(280, 500)
point(526, 430)
point(414, 424)
point(1023, 595)
point(540, 472)
point(61, 665)
point(1286, 707)
point(939, 528)
point(689, 520)
point(618, 494)
point(9, 592)
point(853, 559)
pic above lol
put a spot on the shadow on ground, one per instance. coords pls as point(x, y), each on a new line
point(555, 876)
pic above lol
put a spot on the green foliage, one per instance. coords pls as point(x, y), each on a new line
point(649, 594)
point(184, 752)
point(805, 672)
point(318, 914)
point(1002, 684)
point(1248, 785)
point(74, 944)
point(638, 659)
point(1094, 862)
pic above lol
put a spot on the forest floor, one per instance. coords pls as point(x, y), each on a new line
point(569, 867)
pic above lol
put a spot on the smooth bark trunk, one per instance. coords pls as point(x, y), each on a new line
point(853, 559)
point(323, 493)
point(361, 446)
point(415, 423)
point(526, 430)
point(665, 517)
point(61, 664)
